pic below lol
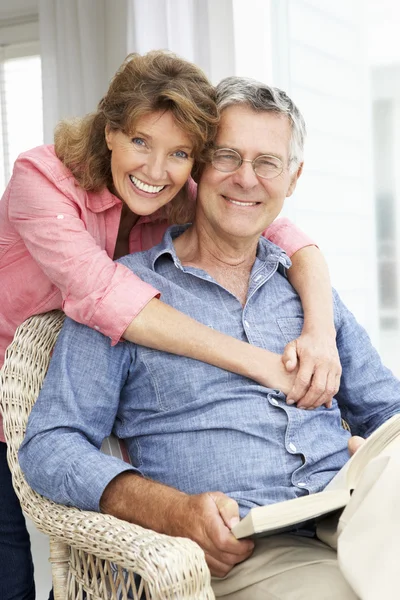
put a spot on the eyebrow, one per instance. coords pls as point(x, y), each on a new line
point(138, 133)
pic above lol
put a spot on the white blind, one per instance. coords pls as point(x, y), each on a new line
point(21, 111)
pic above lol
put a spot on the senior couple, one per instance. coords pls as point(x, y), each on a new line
point(206, 445)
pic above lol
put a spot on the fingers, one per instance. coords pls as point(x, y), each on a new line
point(289, 356)
point(318, 393)
point(323, 387)
point(215, 536)
point(302, 382)
point(318, 377)
point(354, 443)
point(220, 568)
point(227, 551)
point(227, 508)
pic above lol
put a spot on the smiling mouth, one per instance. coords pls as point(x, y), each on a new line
point(145, 187)
point(240, 202)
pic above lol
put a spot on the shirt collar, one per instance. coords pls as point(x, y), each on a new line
point(266, 250)
point(101, 201)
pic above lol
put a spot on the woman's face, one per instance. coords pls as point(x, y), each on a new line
point(150, 166)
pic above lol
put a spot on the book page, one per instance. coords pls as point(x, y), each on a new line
point(384, 439)
point(282, 516)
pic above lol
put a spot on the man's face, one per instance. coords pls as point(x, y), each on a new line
point(242, 204)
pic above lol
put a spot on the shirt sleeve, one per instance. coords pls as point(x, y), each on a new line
point(45, 211)
point(369, 393)
point(75, 411)
point(286, 235)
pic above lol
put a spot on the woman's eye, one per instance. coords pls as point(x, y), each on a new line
point(181, 154)
point(138, 141)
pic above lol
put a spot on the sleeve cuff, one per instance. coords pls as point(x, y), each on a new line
point(84, 487)
point(288, 236)
point(121, 305)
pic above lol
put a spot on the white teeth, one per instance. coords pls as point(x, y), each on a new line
point(242, 203)
point(151, 189)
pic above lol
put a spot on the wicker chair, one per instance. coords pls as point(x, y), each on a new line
point(93, 556)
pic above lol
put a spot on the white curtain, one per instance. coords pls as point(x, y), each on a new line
point(178, 25)
point(84, 41)
point(199, 30)
point(82, 44)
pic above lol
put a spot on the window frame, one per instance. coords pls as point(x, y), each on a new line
point(19, 37)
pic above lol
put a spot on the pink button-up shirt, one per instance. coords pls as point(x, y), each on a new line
point(56, 247)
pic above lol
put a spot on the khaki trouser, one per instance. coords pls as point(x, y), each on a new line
point(365, 564)
point(286, 567)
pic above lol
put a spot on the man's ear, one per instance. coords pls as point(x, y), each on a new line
point(294, 179)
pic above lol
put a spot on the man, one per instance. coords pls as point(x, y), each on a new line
point(191, 428)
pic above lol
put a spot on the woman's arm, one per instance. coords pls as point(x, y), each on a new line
point(162, 327)
point(318, 376)
point(47, 209)
point(315, 350)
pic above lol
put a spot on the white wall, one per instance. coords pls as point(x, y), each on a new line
point(328, 79)
point(13, 9)
point(315, 50)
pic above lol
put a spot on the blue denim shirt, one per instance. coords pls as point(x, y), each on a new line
point(191, 425)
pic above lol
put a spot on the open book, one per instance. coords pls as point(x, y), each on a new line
point(284, 516)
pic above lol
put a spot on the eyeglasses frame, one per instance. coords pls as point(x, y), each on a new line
point(243, 160)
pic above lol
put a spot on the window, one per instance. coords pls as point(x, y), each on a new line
point(21, 113)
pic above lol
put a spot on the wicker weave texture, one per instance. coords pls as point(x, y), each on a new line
point(91, 553)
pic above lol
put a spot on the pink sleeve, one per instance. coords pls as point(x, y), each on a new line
point(285, 234)
point(48, 215)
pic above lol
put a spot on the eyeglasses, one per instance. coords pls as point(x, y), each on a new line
point(228, 161)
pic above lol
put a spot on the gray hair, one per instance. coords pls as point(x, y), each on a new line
point(260, 97)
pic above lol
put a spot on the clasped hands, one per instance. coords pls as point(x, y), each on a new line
point(312, 370)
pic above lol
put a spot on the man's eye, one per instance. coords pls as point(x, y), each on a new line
point(181, 154)
point(227, 157)
point(268, 161)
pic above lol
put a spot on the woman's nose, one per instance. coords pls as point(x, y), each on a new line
point(155, 167)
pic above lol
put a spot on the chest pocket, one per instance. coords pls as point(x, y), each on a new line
point(179, 381)
point(290, 327)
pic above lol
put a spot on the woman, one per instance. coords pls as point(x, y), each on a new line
point(102, 192)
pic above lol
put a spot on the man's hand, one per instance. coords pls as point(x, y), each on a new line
point(354, 443)
point(319, 370)
point(204, 518)
point(207, 519)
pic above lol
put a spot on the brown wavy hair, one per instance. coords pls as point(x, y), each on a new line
point(156, 81)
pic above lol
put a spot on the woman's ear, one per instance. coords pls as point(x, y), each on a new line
point(109, 137)
point(197, 170)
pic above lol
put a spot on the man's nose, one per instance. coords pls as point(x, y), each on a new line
point(245, 175)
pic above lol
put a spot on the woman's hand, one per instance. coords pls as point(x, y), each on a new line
point(315, 356)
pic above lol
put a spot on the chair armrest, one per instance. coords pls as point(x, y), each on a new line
point(172, 567)
point(168, 564)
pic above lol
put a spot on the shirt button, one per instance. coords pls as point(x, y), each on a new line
point(274, 401)
point(301, 484)
point(97, 328)
point(292, 447)
point(60, 216)
point(246, 323)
